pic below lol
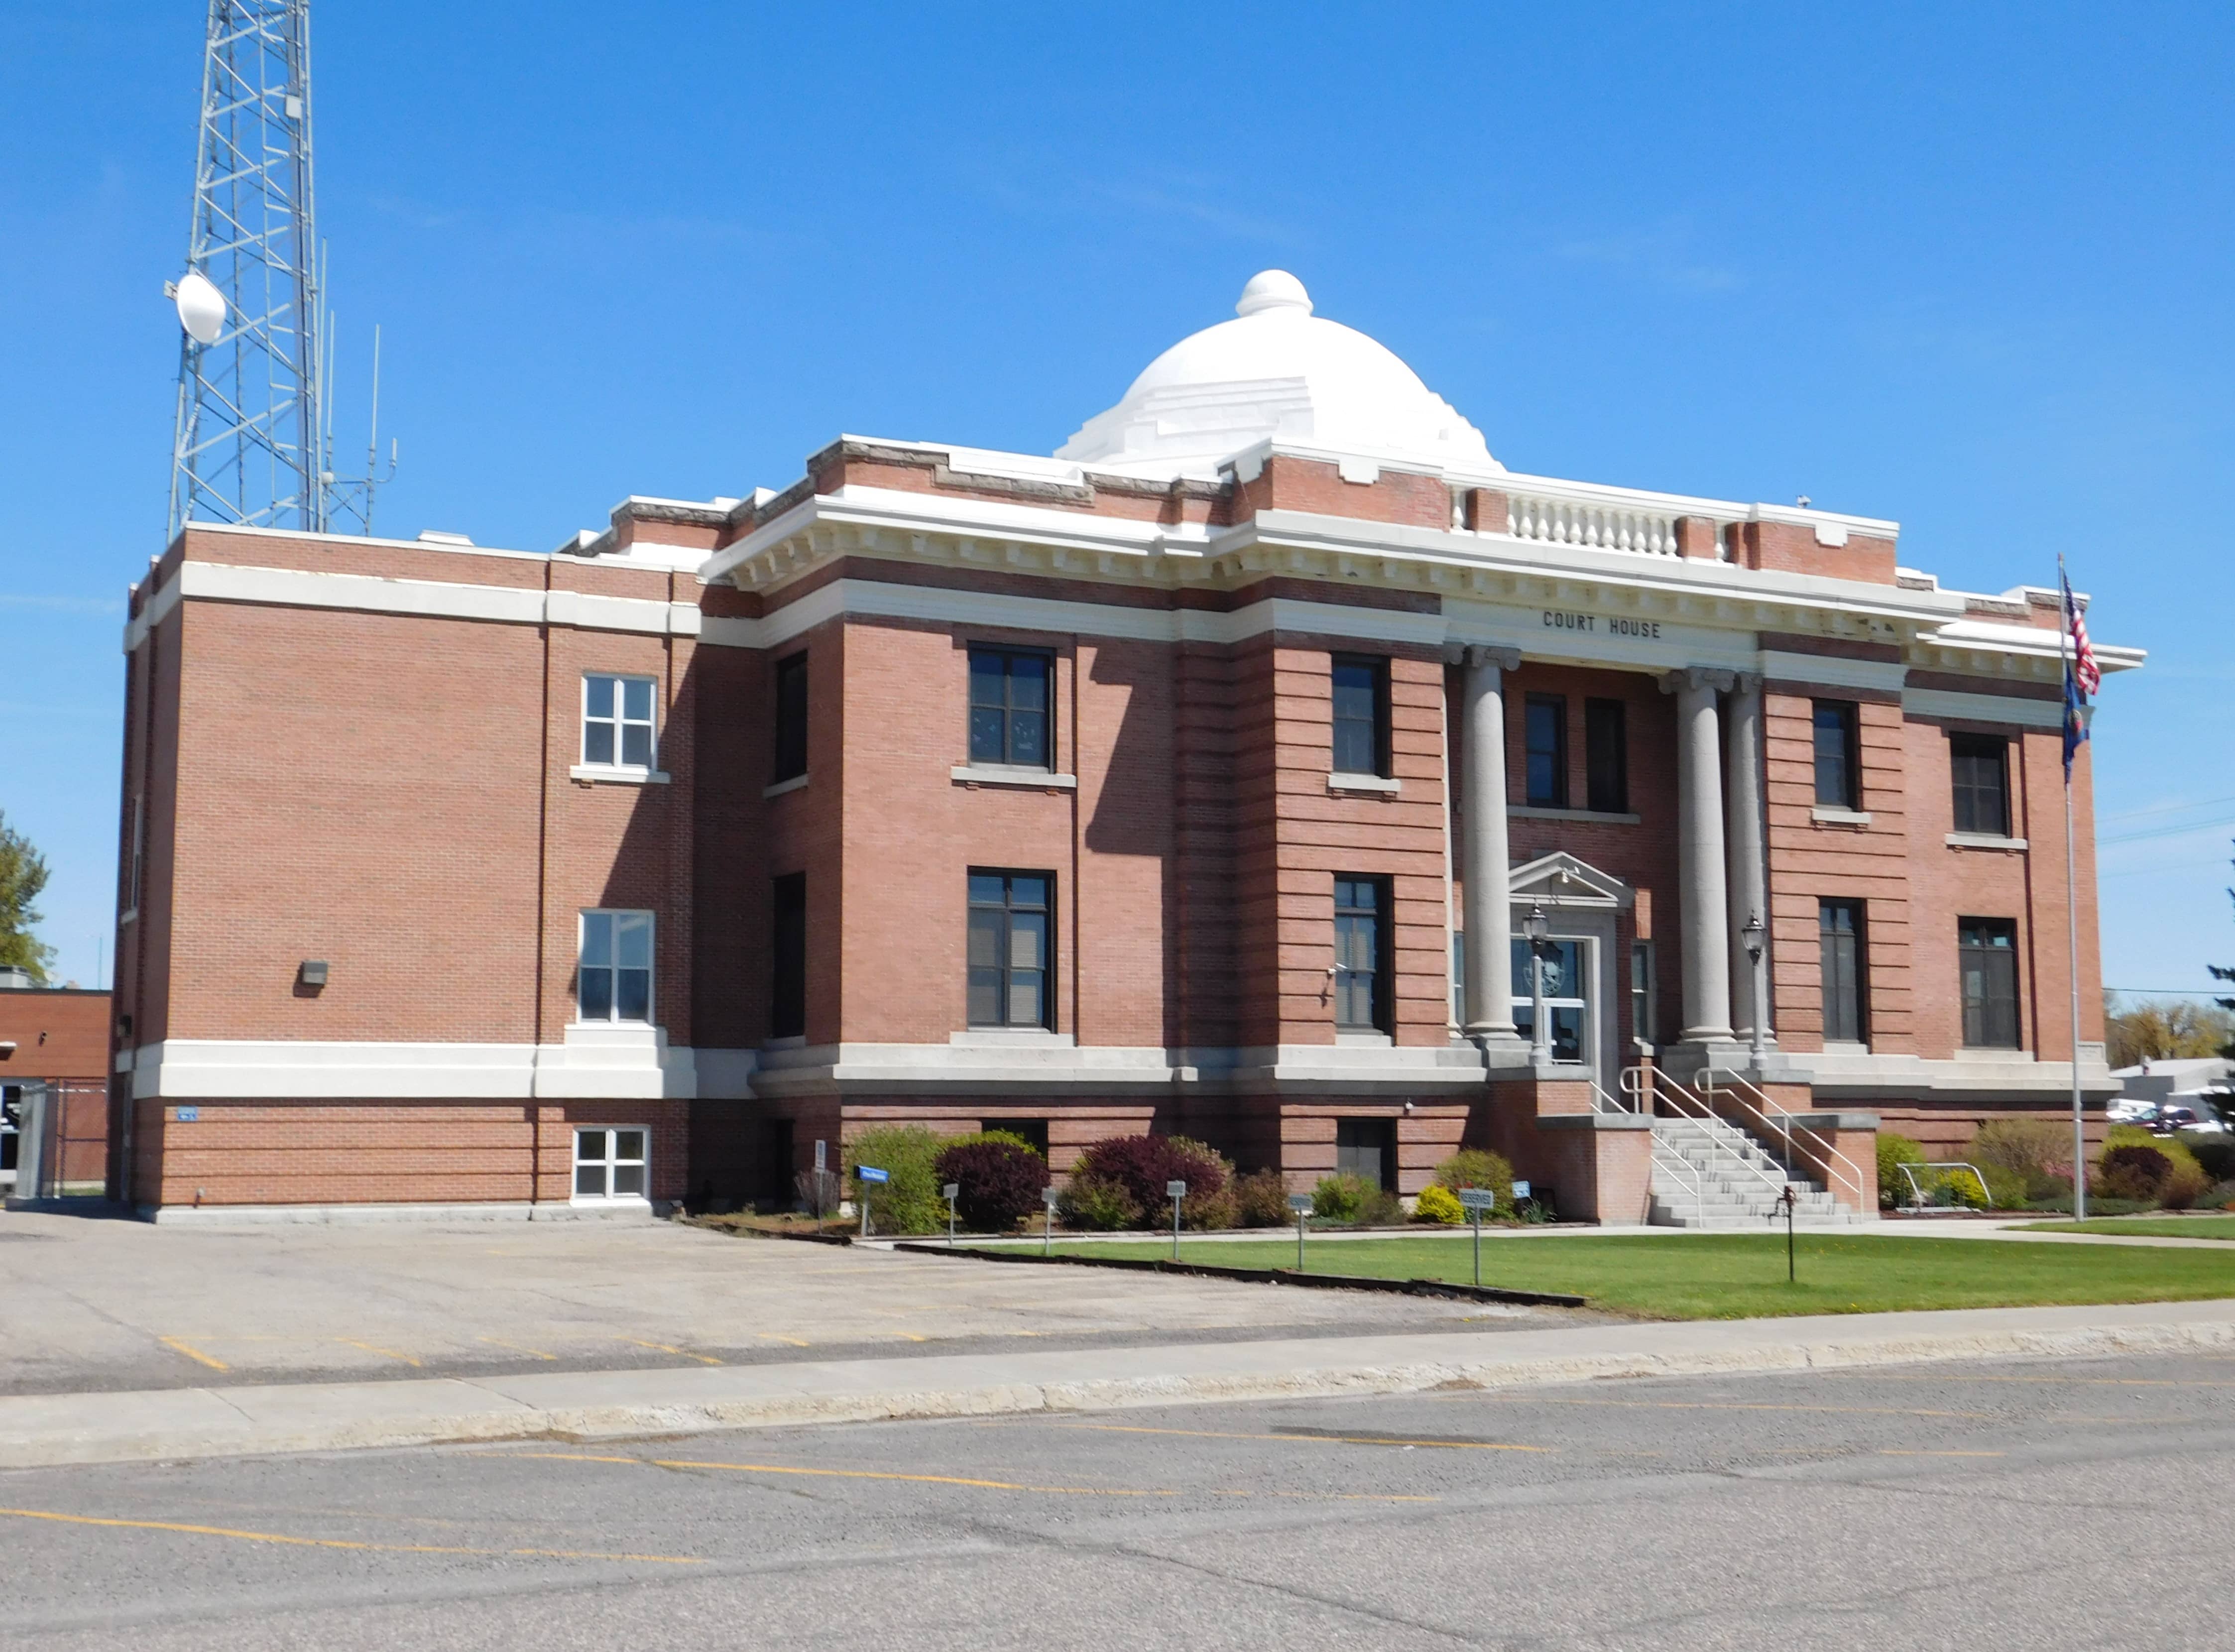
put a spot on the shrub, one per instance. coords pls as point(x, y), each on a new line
point(1097, 1204)
point(1001, 1180)
point(1208, 1212)
point(1894, 1152)
point(1261, 1200)
point(2134, 1172)
point(2008, 1190)
point(1142, 1164)
point(2215, 1155)
point(910, 1202)
point(1380, 1209)
point(2218, 1197)
point(1962, 1188)
point(1439, 1204)
point(1338, 1198)
point(1471, 1167)
point(2097, 1205)
point(2038, 1150)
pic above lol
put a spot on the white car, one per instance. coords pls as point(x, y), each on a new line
point(2131, 1110)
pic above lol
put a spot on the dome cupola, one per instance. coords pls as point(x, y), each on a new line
point(1276, 371)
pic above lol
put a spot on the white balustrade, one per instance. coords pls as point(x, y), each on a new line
point(1567, 521)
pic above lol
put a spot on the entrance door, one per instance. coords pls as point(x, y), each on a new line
point(1570, 969)
point(1367, 1148)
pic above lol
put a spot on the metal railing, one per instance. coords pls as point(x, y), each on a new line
point(1800, 1142)
point(1917, 1207)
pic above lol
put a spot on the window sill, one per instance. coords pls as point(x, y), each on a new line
point(1824, 815)
point(618, 1201)
point(1381, 783)
point(1008, 1037)
point(1002, 774)
point(1993, 1053)
point(1985, 840)
point(796, 782)
point(614, 774)
point(1526, 811)
point(1363, 1041)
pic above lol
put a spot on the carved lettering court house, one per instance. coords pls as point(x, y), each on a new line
point(1210, 776)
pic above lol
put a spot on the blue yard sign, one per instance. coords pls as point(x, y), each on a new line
point(871, 1173)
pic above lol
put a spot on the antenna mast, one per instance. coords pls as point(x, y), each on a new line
point(249, 440)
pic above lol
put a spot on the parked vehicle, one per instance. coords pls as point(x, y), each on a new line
point(2171, 1120)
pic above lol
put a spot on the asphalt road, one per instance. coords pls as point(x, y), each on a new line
point(2002, 1504)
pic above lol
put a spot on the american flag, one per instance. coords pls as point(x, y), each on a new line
point(2082, 676)
point(2083, 666)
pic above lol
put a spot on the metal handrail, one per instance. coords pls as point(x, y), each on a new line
point(1918, 1206)
point(1667, 1158)
point(1684, 1101)
point(1777, 1119)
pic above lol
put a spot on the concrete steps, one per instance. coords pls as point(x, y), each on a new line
point(1710, 1174)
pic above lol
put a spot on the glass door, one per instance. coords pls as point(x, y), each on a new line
point(1566, 962)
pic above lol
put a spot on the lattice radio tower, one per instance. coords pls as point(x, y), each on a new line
point(253, 440)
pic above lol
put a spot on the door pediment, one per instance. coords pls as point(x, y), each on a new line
point(1560, 879)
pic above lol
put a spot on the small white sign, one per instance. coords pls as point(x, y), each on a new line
point(1520, 1191)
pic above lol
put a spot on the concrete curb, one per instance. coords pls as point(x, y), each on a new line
point(46, 1431)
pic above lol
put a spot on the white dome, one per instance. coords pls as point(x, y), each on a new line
point(1276, 370)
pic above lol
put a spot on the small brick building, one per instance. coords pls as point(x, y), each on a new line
point(1200, 778)
point(54, 1087)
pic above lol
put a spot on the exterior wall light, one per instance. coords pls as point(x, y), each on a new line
point(312, 972)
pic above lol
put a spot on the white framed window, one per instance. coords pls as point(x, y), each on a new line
point(613, 1163)
point(612, 981)
point(1567, 962)
point(619, 727)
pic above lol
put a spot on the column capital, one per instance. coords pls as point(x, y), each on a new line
point(1697, 677)
point(1745, 682)
point(1504, 658)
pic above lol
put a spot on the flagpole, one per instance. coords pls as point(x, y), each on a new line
point(2071, 899)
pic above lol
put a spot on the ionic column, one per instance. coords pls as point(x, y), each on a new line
point(1488, 908)
point(1747, 861)
point(1704, 915)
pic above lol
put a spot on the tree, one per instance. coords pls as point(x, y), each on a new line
point(22, 874)
point(2165, 1030)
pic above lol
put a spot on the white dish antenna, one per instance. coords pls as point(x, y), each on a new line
point(201, 308)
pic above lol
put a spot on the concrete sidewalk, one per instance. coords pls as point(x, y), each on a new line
point(51, 1429)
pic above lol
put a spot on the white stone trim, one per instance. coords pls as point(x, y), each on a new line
point(798, 782)
point(1982, 708)
point(1985, 840)
point(1832, 815)
point(616, 774)
point(426, 598)
point(1015, 776)
point(1340, 782)
point(630, 1063)
point(225, 1216)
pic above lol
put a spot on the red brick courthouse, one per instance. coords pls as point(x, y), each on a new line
point(1200, 778)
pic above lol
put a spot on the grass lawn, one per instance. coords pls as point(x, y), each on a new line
point(1742, 1275)
point(2211, 1227)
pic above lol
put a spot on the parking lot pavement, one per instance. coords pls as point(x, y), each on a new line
point(108, 1304)
point(2020, 1503)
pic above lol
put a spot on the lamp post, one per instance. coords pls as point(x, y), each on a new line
point(1537, 926)
point(1754, 935)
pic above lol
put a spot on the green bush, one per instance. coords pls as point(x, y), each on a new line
point(910, 1202)
point(2133, 1172)
point(1097, 1204)
point(1893, 1152)
point(1338, 1198)
point(1261, 1200)
point(1439, 1204)
point(2038, 1150)
point(1209, 1212)
point(2216, 1154)
point(1471, 1167)
point(2218, 1197)
point(2098, 1205)
point(1380, 1209)
point(1961, 1188)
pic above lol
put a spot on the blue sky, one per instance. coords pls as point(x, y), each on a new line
point(1966, 267)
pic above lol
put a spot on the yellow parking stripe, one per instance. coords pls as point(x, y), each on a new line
point(339, 1542)
point(196, 1354)
point(683, 1353)
point(375, 1347)
point(1311, 1439)
point(517, 1347)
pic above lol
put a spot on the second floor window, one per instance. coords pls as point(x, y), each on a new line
point(1606, 756)
point(1987, 967)
point(1361, 716)
point(1361, 955)
point(617, 721)
point(791, 718)
point(1547, 732)
point(1979, 765)
point(613, 982)
point(1838, 773)
point(1009, 701)
point(1012, 918)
